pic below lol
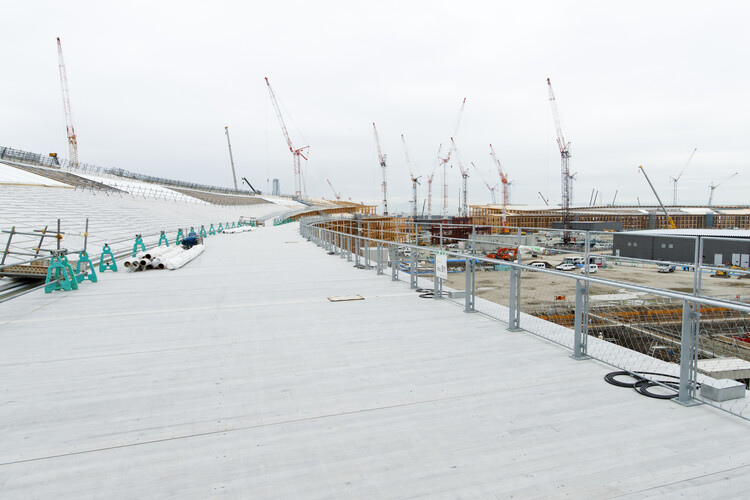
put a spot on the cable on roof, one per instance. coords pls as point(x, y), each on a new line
point(643, 384)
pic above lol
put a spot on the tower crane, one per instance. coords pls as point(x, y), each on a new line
point(381, 159)
point(414, 179)
point(675, 179)
point(337, 195)
point(491, 188)
point(505, 183)
point(669, 218)
point(714, 186)
point(430, 179)
point(567, 188)
point(464, 207)
point(297, 153)
point(71, 132)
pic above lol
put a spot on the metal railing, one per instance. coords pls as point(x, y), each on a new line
point(671, 338)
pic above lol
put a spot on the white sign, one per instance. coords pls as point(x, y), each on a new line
point(441, 264)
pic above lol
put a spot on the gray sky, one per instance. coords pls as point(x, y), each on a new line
point(153, 84)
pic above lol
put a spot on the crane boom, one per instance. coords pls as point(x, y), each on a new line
point(381, 160)
point(70, 130)
point(675, 179)
point(231, 158)
point(337, 195)
point(296, 153)
point(491, 188)
point(414, 180)
point(714, 186)
point(669, 218)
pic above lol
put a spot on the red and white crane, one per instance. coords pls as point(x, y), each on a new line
point(71, 132)
point(504, 180)
point(567, 179)
point(296, 152)
point(491, 188)
point(381, 159)
point(430, 178)
point(337, 195)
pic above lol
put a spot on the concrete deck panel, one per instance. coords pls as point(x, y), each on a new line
point(236, 377)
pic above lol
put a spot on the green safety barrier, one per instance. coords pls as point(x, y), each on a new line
point(221, 228)
point(84, 264)
point(138, 242)
point(203, 231)
point(111, 264)
point(211, 230)
point(179, 237)
point(279, 222)
point(163, 238)
point(60, 275)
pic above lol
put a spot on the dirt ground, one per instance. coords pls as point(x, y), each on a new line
point(542, 288)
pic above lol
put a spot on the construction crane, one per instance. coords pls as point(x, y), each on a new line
point(567, 188)
point(414, 179)
point(669, 218)
point(491, 188)
point(430, 179)
point(231, 159)
point(675, 179)
point(337, 195)
point(464, 206)
point(381, 159)
point(297, 153)
point(71, 132)
point(505, 183)
point(714, 186)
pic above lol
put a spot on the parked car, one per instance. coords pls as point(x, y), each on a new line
point(665, 268)
point(567, 266)
point(593, 268)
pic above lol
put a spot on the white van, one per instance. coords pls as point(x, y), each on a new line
point(539, 265)
point(593, 268)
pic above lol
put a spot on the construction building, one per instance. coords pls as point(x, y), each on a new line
point(627, 218)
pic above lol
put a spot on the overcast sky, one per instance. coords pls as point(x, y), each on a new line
point(152, 85)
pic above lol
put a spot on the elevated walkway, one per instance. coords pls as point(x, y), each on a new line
point(237, 377)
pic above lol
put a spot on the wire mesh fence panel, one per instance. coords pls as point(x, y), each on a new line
point(492, 289)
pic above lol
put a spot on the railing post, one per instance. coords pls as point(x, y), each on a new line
point(394, 264)
point(514, 304)
point(579, 335)
point(366, 251)
point(379, 266)
point(469, 288)
point(356, 251)
point(688, 348)
point(413, 270)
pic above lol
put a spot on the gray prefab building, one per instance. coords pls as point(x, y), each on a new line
point(719, 247)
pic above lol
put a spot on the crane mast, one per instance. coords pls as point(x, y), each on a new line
point(566, 178)
point(231, 158)
point(71, 133)
point(381, 159)
point(297, 153)
point(414, 180)
point(505, 183)
point(464, 207)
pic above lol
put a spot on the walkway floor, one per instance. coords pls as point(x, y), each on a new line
point(236, 377)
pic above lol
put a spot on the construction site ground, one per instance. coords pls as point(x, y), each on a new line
point(540, 288)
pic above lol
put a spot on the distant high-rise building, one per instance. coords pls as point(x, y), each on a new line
point(276, 190)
